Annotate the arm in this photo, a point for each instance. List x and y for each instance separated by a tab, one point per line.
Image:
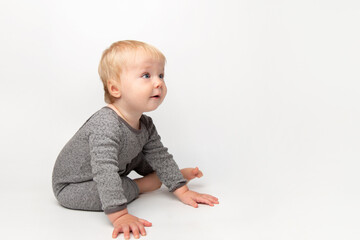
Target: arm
104	145
168	171
105	168
161	160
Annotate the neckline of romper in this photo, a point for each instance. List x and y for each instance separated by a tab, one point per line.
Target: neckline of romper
134	130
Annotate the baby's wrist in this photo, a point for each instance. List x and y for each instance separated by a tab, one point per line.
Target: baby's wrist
116	215
181	190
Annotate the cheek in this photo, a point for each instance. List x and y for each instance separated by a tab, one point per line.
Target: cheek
164	91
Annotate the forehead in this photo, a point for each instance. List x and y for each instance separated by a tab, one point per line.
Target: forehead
143	59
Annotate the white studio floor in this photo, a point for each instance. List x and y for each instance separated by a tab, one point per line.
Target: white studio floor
244	212
263	96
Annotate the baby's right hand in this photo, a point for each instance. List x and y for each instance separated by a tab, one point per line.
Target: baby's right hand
126	223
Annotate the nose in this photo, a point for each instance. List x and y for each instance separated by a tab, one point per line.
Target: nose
158	82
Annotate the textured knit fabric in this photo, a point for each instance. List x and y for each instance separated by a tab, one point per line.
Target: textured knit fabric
101	152
85	196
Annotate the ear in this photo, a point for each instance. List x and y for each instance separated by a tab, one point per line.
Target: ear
114	88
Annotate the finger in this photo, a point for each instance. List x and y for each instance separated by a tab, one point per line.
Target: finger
200	174
146	223
211	198
192	203
141	228
126	231
135	230
196	172
116	232
204	200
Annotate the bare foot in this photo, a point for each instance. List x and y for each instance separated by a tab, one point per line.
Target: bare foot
191	173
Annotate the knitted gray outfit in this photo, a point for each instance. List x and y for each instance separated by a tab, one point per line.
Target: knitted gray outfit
91	171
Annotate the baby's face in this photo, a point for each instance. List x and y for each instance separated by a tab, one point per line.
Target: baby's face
142	84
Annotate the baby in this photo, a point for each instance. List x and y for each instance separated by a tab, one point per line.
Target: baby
91	171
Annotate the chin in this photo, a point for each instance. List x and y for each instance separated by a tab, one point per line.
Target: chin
150	109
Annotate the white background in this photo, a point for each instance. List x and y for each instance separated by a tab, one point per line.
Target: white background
263	96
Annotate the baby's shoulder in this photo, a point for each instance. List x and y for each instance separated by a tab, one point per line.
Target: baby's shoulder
104	119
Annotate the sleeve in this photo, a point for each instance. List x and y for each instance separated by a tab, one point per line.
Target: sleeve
161	161
104	151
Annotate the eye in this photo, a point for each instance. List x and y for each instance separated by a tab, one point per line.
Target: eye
161	76
146	75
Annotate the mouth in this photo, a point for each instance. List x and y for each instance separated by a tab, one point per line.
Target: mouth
155	96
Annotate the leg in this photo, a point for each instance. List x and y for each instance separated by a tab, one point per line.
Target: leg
85	196
80	196
151	182
148	183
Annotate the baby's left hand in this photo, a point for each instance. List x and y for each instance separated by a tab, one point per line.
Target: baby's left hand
193	198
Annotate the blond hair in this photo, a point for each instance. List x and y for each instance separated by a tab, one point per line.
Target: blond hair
114	60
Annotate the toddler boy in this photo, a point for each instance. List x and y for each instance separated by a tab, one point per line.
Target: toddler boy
91	171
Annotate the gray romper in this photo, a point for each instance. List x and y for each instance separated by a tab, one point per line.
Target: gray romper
91	171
